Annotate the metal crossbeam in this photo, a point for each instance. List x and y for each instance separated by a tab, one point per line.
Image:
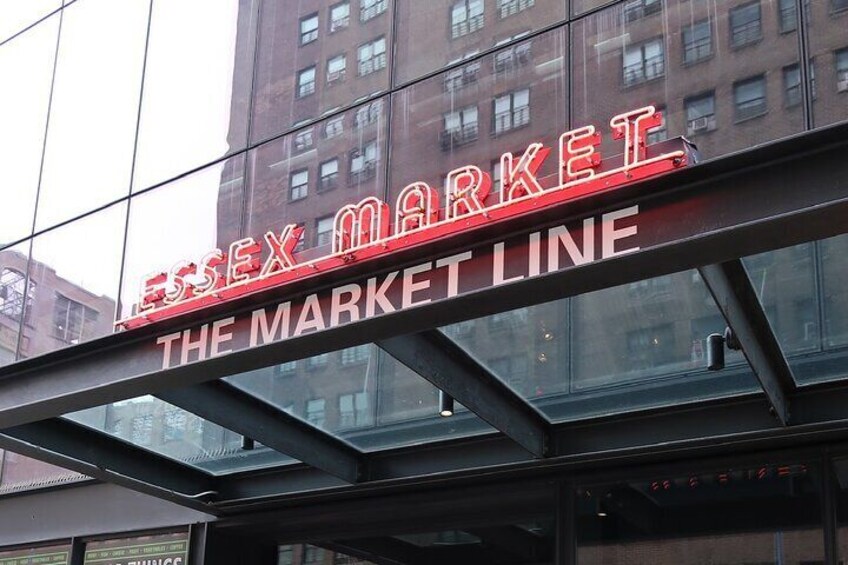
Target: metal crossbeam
236	410
437	358
73	446
735	296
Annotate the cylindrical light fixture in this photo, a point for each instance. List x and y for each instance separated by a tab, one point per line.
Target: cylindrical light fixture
247	443
445	404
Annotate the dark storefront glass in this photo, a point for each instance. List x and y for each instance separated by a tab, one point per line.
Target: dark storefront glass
27	65
315	57
183	220
306	176
196	86
16	299
474	113
74	272
768	513
715	69
16	16
94	111
438	33
827	22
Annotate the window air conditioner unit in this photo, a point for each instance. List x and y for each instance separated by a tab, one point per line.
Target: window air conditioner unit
699	124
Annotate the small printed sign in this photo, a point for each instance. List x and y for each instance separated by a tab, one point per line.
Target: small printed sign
165	549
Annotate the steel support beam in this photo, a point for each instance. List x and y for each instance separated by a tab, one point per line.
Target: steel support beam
236	410
438	358
100	456
735	296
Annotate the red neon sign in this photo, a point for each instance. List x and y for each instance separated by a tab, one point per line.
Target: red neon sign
363	231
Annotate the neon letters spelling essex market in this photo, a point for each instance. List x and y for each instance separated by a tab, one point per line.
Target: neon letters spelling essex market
362	231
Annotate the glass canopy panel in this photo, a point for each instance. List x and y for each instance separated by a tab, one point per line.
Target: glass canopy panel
160	427
361	395
803	293
625	348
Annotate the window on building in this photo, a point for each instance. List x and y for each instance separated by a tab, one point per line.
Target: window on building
513	57
303	140
306	82
317	361
371	9
12	284
697	42
339	16
312	554
460	127
309	29
285	555
511	110
363	162
299	184
372	56
324	231
788	16
285	369
72	322
636	9
507	8
838	5
700	113
334	127
511	320
142	430
336	68
460	77
368	114
354	355
841	58
792	85
749	97
175	425
466	17
644	61
745	24
329	175
315	411
353	410
660	132
464	328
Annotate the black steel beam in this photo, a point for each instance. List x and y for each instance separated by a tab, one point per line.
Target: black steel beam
78	448
438	358
735	296
519	543
236	410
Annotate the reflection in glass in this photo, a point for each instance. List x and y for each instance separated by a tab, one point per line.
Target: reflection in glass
361	395
20	473
183	220
716	69
827	21
335	59
74	275
15	298
474	113
93	112
526	348
436	33
153	424
196	93
834	259
767	513
26	65
305	177
16	16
